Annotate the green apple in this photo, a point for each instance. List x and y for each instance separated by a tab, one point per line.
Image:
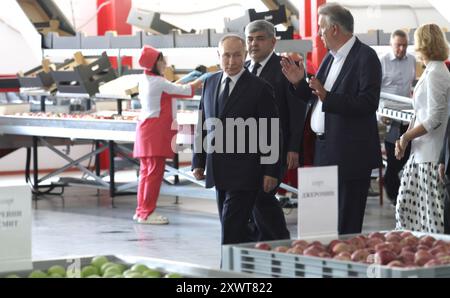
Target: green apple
55	275
94	276
150	273
112	271
133	274
12	276
98	261
88	271
106	266
173	275
139	268
57	269
37	274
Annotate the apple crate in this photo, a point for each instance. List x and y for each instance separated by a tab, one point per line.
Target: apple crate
84	78
246	258
186	270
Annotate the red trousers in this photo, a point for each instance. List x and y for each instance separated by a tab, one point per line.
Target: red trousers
151	175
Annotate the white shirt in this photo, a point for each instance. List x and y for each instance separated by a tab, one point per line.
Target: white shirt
151	89
262	63
318	117
430	102
398	74
233	81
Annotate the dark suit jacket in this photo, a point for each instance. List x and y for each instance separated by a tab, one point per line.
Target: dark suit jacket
250	98
291	110
351	131
445	151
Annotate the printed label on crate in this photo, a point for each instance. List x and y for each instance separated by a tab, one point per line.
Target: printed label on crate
15	228
317	201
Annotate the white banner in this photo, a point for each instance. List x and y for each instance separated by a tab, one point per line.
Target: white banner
15	229
317	201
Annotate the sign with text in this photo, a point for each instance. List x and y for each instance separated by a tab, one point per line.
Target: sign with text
317	201
15	228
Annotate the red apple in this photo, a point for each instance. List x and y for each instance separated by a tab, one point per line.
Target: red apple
393	238
377	235
444	259
384	257
384	246
406	234
427	240
357	243
438	249
408	248
396	247
311	251
407	257
372	242
396	263
360	255
281	248
333	243
263	246
318	245
301	243
432	263
343	256
422	257
341	247
440	242
296	250
324	254
422	247
410	241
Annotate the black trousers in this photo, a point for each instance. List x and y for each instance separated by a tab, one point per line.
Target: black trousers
268	219
394	166
447	207
235	209
352	196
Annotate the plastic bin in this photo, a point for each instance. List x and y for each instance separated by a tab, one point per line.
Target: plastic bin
247	259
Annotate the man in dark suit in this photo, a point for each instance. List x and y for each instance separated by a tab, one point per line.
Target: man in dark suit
265	63
346	95
444	174
236	167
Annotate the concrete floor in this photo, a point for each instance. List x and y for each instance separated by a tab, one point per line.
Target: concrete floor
82	223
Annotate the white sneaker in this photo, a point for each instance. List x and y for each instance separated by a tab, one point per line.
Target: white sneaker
154	219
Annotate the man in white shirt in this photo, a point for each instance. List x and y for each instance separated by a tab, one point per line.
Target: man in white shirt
347	92
399	72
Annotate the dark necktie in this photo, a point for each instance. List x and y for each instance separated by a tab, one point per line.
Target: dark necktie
222	99
255	68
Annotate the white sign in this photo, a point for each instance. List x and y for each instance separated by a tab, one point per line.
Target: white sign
15	229
317	201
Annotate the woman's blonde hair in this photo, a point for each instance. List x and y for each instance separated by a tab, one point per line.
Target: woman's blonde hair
430	42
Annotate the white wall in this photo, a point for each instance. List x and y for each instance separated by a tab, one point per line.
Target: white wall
21	44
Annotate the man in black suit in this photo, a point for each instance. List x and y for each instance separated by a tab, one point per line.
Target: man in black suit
236	167
265	63
346	96
444	174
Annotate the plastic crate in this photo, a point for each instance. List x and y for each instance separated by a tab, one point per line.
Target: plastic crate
127	41
159	41
163	266
246	258
85	78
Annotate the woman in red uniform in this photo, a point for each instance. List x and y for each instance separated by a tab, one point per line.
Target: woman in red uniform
154	132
